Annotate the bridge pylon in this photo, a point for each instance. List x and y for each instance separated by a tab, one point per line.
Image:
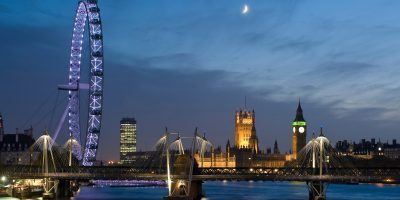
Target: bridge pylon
182	186
317	190
47	165
319	160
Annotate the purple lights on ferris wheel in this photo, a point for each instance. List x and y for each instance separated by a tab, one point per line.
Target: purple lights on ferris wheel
87	11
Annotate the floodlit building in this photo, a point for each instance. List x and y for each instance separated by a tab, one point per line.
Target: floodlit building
245	131
127	140
216	158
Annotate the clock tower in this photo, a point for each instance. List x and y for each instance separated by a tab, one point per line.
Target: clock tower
299	130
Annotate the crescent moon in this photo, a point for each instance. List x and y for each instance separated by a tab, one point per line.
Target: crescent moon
245	9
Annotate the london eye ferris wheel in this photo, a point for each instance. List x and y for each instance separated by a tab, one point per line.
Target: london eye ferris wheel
87	11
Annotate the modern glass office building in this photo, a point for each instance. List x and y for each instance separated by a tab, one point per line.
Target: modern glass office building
127	140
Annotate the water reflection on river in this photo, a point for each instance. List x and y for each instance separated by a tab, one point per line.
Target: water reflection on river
244	190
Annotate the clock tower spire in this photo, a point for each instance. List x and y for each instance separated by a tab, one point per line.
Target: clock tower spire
299	128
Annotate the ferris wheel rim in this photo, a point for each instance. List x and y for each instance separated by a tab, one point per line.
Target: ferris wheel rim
87	12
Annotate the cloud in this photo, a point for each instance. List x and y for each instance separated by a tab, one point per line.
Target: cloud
168	60
300	45
180	99
342	69
172	61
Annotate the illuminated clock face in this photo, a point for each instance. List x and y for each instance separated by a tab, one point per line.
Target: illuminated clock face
301	129
294	129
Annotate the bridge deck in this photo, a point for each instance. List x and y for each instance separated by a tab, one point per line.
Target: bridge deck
360	175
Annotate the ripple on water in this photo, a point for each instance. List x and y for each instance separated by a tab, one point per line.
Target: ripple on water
245	190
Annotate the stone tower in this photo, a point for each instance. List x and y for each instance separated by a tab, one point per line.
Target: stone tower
245	130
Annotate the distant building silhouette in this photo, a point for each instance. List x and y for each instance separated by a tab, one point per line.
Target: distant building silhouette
369	149
276	148
14	146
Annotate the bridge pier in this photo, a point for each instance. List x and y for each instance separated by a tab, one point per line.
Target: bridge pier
185	189
64	188
316	190
49	188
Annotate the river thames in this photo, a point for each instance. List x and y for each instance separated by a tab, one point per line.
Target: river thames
242	190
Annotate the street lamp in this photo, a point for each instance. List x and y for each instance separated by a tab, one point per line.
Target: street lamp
3	179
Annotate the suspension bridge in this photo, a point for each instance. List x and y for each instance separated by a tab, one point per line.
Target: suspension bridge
317	165
316	161
344	175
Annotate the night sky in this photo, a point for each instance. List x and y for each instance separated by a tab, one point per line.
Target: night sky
186	64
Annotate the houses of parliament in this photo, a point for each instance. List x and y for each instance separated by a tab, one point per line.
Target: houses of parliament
245	152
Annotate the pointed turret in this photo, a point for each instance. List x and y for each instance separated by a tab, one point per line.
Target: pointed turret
228	146
253	142
253	128
276	148
228	152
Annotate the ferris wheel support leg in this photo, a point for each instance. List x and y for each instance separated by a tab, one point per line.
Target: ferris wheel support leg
60	124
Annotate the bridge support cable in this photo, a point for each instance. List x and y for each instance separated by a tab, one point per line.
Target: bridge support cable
169	181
